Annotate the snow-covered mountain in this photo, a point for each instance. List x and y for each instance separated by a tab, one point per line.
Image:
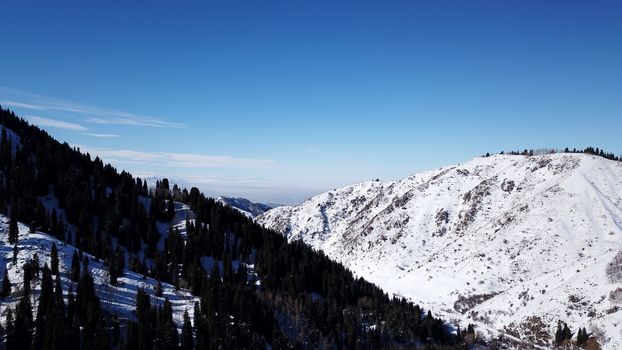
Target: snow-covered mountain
510	243
245	206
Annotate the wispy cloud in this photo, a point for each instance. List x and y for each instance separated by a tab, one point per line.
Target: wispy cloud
101	135
12	103
53	123
177	160
133	120
188	160
92	114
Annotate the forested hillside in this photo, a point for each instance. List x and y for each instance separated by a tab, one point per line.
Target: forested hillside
256	290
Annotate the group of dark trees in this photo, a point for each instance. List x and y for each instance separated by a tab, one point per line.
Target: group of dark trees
78	324
255	288
563	335
588	150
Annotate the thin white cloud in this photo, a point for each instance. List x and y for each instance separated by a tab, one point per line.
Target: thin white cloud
92	114
178	160
134	121
126	155
53	123
188	160
12	103
101	135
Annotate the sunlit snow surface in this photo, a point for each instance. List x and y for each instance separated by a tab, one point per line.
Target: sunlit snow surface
530	236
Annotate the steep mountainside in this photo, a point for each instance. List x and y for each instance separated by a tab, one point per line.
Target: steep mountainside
149	255
245	206
511	243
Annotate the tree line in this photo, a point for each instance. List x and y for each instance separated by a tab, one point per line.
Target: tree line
259	289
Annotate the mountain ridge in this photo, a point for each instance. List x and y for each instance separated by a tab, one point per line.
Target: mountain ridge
488	229
245	206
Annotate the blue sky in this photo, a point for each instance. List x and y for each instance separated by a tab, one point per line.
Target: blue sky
278	100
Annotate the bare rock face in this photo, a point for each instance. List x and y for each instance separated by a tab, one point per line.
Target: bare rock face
501	241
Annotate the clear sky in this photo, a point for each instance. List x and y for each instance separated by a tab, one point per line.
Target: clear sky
276	101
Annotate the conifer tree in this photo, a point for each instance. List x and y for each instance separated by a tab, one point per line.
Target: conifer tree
75	267
6	285
112	270
23	324
566	333
54	259
27	278
158	289
559	336
13	229
10	330
102	341
582	336
186	333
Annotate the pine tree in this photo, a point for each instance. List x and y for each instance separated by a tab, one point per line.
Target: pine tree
45	312
57	325
23	324
75	267
27	278
54	259
167	337
112	270
566	333
582	336
186	333
6	285
559	336
10	330
200	328
102	341
158	289
13	229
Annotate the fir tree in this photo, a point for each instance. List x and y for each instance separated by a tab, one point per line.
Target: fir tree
582	336
13	229
23	324
75	267
10	330
6	285
45	312
102	340
54	259
559	336
186	333
158	289
566	333
27	278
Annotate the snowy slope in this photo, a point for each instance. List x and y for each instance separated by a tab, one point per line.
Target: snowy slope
117	299
506	242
